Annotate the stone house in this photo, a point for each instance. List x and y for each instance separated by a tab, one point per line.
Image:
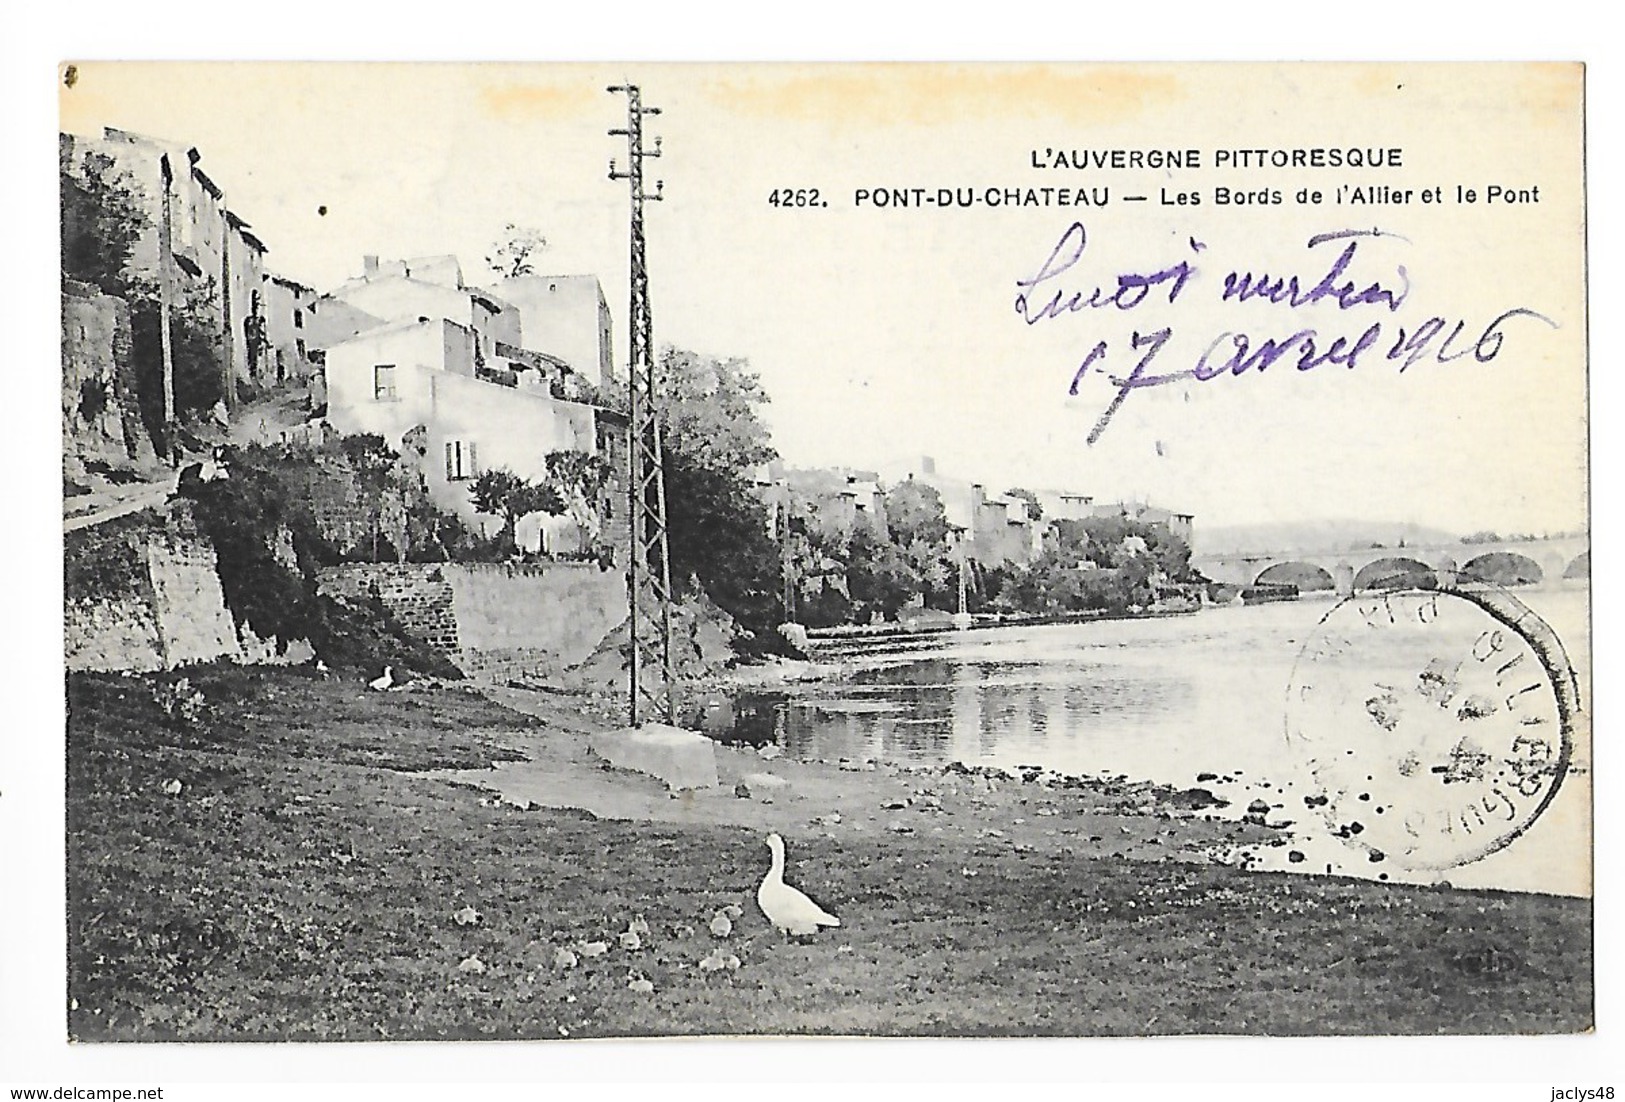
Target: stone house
287	308
191	234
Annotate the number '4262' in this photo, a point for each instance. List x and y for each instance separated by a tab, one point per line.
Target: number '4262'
796	197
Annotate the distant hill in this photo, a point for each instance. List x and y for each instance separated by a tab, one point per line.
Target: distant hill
1331	535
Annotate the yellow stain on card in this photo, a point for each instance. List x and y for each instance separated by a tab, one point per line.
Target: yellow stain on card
80	106
539	101
927	94
1551	86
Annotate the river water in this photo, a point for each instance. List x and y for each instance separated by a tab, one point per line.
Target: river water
1165	699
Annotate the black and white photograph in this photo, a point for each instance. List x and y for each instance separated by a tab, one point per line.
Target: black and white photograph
566	552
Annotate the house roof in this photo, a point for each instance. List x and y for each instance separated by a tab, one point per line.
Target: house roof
360	283
113	133
430	261
291	284
532	357
208	185
392	327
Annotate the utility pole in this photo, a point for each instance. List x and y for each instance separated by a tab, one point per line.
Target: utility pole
650	674
166	265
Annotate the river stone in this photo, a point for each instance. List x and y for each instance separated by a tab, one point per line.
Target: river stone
682	759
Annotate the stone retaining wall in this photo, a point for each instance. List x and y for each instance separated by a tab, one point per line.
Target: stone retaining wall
417	595
495	621
143	593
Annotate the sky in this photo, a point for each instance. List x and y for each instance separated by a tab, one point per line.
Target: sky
883	334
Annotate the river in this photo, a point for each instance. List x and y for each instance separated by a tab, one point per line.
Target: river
1165	699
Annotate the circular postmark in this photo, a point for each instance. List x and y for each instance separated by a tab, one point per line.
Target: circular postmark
1436	724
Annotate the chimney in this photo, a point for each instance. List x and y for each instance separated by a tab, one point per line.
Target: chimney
369	265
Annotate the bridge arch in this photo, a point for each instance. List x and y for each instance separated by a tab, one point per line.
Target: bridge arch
1503	568
1305	575
1580	567
1396	572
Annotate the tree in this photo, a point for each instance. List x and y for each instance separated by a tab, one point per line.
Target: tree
579	478
502	493
912	559
878	576
372	460
102	220
515	254
717	535
708	410
914	514
1109	564
718	530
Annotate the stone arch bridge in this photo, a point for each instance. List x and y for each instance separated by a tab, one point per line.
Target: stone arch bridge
1506	562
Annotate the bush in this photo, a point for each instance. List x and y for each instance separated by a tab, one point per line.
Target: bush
250	518
825	608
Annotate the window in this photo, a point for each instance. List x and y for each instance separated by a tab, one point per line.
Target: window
461	462
298	318
383	383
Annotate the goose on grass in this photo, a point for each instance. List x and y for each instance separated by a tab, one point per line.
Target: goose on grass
787	909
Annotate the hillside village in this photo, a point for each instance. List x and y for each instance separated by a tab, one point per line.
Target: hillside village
421	415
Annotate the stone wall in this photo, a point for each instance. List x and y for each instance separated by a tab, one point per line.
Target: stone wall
366	508
495	621
100	420
110	617
143	593
535	618
349	514
417	595
193	623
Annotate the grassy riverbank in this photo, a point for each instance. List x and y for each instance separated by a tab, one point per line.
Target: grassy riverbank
305	882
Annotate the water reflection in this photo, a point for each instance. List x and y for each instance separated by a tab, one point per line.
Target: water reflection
1156	699
970	708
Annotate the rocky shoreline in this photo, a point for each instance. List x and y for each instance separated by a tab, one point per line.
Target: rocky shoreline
1030	810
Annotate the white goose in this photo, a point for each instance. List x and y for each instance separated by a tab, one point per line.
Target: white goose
384	682
787	909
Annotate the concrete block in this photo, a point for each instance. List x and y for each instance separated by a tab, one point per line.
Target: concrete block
682	759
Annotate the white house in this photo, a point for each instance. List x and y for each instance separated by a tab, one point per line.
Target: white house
398	298
565	316
396	378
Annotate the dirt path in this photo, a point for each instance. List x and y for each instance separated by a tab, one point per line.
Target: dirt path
94	509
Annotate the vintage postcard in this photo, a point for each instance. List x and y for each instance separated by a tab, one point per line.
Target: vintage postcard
628	551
